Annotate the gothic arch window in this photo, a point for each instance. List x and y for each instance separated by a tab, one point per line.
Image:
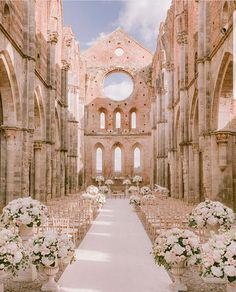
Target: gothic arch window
133	120
225	13
137	159
117	160
6	17
117	120
102	120
99	160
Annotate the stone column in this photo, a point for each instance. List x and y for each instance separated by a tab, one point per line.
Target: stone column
197	194
10	135
37	169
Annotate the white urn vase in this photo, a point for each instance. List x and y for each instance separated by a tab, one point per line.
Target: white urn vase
177	271
51	284
231	287
30	273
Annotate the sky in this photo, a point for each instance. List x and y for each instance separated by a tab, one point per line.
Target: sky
91	20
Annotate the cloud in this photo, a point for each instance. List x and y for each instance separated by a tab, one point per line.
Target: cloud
143	17
94	40
118	91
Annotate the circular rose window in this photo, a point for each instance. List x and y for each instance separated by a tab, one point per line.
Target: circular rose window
118	86
119	52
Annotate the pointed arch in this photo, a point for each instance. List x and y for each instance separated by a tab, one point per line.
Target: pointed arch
39	115
98	159
11	105
118	118
102	118
221	107
118	158
133	118
137	158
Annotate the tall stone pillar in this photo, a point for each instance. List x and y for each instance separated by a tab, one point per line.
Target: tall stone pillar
50	114
37	169
197	194
10	135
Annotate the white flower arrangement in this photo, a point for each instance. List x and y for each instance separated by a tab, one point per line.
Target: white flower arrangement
13	256
100	199
126	182
87	196
219	257
109	182
49	248
175	246
145	191
100	178
212	213
104	189
133	189
24	211
161	190
137	178
135	200
148	197
92	190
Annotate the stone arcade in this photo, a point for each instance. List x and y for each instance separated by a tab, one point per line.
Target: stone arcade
55	118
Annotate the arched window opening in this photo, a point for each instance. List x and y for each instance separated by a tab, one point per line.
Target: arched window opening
118	158
102	120
137	160
99	160
133	120
225	111
118	120
225	14
6	17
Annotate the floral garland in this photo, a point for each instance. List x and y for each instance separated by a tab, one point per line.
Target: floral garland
219	257
24	211
212	213
176	245
13	256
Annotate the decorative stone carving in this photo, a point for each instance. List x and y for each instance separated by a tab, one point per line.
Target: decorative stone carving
169	66
65	65
222	137
53	37
222	140
182	38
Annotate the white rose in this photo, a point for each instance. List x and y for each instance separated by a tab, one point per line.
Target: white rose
47	262
35	211
230	271
18	257
212	220
216	271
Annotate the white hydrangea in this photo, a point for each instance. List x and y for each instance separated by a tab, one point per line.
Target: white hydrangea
24	211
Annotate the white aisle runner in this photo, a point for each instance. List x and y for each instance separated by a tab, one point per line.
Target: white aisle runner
115	256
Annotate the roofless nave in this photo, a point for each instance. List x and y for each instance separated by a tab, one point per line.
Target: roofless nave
58	129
